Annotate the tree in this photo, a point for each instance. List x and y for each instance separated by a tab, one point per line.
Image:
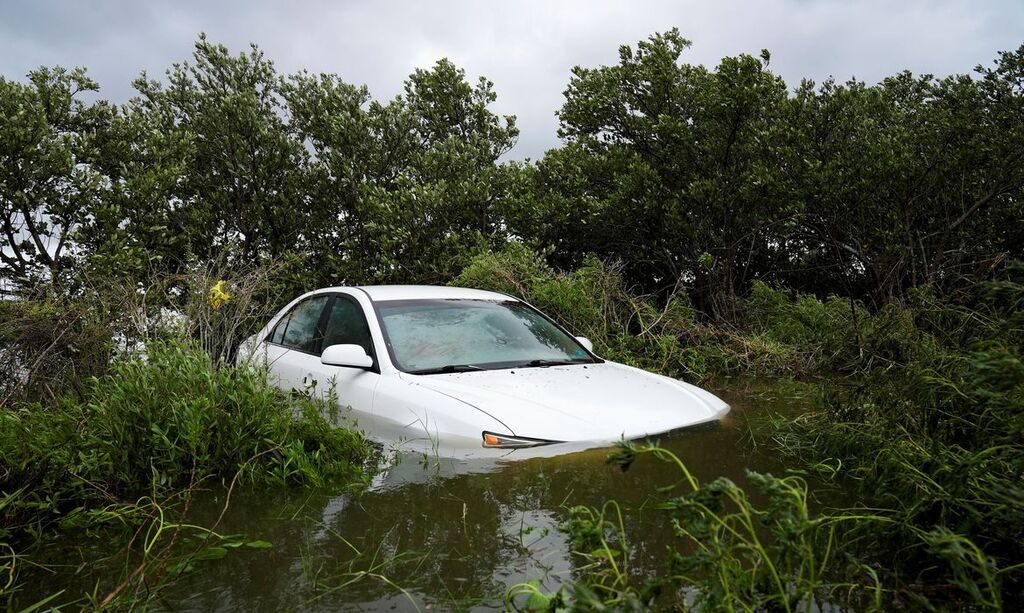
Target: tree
48	181
716	177
410	187
912	181
672	168
241	169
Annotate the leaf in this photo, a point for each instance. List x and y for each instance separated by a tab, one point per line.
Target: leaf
259	544
211	553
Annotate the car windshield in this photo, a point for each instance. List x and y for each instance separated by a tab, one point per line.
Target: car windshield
453	335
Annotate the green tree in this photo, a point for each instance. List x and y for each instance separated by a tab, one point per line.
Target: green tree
914	180
410	187
240	168
49	182
671	167
140	226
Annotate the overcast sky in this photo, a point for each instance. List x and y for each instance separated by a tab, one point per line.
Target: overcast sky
526	48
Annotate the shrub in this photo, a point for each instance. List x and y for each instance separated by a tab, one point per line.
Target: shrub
666	336
52	342
929	426
219	306
168	420
512	270
49	346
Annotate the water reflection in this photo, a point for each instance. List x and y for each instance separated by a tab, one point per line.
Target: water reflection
452	533
456	533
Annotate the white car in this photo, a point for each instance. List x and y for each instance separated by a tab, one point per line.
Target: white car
466	368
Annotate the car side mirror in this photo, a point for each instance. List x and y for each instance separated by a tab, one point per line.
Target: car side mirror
586	342
352	356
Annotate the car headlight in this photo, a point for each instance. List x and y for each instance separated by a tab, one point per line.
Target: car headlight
504	441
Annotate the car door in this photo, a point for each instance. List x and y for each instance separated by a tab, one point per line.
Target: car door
344	323
295	338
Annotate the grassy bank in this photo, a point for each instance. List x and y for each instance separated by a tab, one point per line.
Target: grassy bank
123	459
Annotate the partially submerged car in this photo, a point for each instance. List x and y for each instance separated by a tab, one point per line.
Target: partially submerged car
466	368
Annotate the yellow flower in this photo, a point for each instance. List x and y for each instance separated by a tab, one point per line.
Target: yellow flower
218	296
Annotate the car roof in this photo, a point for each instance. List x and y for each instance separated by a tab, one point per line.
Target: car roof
379	293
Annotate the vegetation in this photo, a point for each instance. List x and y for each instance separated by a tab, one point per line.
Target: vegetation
922	420
729	553
695	221
117	411
671	338
169	419
146	434
732	554
697	180
931	431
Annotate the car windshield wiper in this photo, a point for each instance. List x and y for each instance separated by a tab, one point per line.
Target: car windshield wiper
448	368
541	363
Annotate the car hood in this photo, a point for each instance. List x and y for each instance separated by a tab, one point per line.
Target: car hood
591	402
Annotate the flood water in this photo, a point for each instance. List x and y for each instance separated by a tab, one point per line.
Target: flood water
436	533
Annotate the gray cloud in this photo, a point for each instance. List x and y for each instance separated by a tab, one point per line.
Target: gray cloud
526	48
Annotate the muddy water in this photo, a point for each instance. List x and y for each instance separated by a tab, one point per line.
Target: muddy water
458	533
436	533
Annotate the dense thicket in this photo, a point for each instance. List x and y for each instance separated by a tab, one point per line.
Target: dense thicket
704	178
922	421
228	160
721	177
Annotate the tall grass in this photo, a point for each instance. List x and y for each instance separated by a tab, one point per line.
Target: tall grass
167	420
728	553
130	451
923	415
929	424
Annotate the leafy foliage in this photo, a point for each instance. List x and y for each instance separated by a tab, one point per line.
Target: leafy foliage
695	178
930	427
49	184
720	178
163	421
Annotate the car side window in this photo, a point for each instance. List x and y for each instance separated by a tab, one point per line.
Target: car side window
278	335
300	330
346	325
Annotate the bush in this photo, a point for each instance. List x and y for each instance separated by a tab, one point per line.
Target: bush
51	343
666	336
168	420
220	306
929	425
49	346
